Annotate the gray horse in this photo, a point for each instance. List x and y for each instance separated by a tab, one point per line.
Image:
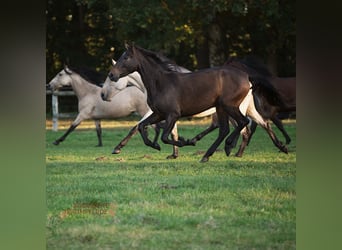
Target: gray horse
124	101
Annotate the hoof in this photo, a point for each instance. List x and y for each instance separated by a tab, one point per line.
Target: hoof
56	143
288	142
156	146
172	157
204	159
238	155
191	142
228	150
285	150
116	151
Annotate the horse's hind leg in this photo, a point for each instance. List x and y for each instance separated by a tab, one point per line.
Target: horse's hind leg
213	126
132	132
98	132
174	134
245	133
252	131
254	114
234	123
280	126
274	138
123	142
223	132
241	122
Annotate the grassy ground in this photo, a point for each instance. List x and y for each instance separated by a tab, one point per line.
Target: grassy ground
140	200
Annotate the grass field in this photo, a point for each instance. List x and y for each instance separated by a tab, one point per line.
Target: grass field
140	200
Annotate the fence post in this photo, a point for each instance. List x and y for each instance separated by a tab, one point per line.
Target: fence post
54	112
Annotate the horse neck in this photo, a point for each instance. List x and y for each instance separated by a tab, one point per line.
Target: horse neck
81	86
149	72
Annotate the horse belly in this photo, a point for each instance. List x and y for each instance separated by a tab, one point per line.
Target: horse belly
206	113
193	106
112	110
199	97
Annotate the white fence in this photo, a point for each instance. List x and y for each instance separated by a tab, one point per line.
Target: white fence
55	112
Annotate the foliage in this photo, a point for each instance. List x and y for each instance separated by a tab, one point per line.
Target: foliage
91	32
140	200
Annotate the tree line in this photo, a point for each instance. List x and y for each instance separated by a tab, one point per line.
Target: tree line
196	34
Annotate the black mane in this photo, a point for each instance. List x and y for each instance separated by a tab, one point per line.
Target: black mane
256	64
90	75
164	62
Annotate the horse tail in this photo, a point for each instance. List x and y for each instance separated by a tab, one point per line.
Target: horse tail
262	86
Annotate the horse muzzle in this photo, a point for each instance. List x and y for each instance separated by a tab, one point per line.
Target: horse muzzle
50	87
104	97
113	77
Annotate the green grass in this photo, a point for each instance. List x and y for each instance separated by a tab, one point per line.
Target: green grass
140	200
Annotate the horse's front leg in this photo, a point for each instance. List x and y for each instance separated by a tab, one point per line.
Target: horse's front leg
157	127
74	125
169	125
99	132
174	134
142	127
223	132
123	142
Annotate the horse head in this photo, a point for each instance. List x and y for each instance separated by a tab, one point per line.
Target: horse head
62	79
126	64
111	88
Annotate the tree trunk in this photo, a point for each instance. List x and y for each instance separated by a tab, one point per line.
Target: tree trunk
272	62
202	54
216	51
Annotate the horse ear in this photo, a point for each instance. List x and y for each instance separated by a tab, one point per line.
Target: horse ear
113	62
67	70
127	46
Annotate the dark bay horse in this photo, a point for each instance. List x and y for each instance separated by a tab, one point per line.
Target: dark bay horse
172	95
285	86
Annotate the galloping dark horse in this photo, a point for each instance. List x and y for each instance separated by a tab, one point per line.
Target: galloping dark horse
285	86
172	95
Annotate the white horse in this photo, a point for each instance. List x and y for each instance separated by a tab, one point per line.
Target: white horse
124	100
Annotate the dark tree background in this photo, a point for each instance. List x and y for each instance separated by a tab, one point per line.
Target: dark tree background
194	33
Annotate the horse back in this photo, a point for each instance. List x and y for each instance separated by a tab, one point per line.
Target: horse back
235	86
212	86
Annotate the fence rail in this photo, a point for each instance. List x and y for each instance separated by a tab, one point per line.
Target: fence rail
55	112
